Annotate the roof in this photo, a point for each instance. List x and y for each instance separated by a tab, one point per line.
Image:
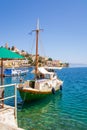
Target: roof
8	54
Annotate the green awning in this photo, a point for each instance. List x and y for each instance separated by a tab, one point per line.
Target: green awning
8	54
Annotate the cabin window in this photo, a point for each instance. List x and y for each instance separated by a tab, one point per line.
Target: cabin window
47	76
32	84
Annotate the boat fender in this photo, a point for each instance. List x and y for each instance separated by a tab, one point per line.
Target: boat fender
53	90
60	87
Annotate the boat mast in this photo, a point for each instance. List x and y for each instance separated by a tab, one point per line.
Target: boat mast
37	55
37	35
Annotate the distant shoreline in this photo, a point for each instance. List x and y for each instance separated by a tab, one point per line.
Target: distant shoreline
77	65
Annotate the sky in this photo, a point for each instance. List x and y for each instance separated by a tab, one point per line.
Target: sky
64	24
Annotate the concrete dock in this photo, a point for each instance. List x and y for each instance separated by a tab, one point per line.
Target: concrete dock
7	119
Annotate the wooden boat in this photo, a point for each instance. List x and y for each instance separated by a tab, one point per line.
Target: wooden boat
45	82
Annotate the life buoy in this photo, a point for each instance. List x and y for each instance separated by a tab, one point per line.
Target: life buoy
53	90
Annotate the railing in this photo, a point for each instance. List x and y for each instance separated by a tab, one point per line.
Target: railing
9	97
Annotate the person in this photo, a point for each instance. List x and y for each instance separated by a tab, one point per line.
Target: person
41	76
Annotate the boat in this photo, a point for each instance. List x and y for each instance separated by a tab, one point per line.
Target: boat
44	83
14	72
23	71
52	69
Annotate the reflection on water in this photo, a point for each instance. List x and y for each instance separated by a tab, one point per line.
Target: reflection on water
39	114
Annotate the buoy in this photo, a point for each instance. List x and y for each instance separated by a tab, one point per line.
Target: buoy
53	90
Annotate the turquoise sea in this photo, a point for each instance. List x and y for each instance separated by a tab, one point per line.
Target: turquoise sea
66	110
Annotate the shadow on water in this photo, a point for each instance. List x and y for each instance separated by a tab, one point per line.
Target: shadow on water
37	114
41	102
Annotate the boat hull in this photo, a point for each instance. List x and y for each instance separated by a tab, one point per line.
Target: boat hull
32	95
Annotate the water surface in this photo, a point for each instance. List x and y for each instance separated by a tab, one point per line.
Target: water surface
66	110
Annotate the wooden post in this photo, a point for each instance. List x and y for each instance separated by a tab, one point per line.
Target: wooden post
2	82
1	71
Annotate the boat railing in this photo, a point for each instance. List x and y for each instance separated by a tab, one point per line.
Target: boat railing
9	97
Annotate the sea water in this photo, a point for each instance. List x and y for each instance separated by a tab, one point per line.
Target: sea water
65	110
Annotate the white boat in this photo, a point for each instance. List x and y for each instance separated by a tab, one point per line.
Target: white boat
23	72
14	72
53	68
45	83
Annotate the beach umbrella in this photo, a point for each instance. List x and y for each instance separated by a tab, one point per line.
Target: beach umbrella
7	54
4	55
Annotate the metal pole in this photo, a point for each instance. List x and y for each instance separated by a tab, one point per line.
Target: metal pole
15	112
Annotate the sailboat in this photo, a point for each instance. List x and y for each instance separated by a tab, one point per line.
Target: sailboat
45	82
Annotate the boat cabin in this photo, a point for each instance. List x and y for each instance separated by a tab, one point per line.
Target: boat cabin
44	74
